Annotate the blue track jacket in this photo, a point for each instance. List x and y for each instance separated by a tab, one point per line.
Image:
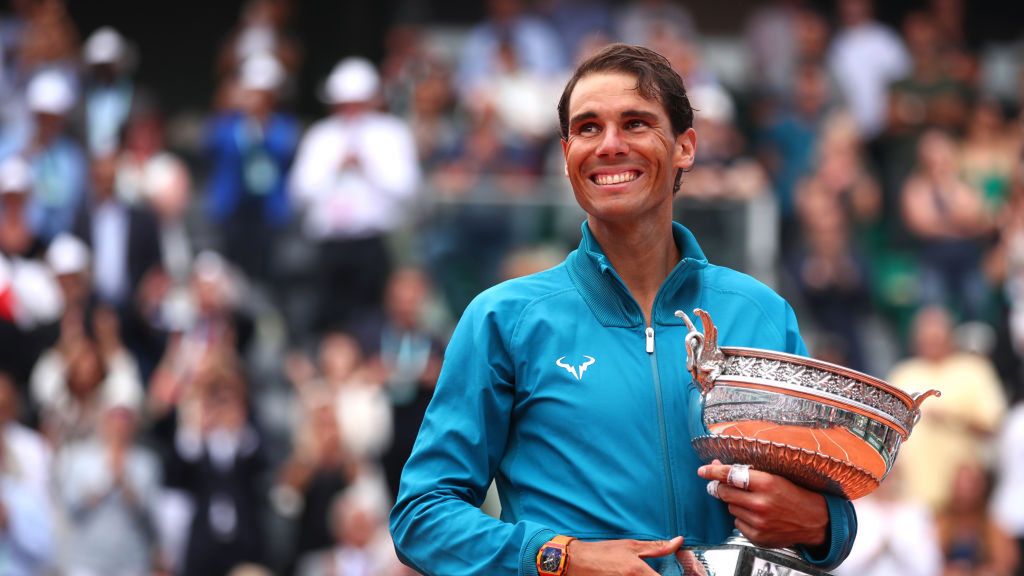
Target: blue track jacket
554	386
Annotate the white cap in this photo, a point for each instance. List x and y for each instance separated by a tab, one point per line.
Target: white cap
50	92
261	72
354	79
15	175
712	103
67	254
104	46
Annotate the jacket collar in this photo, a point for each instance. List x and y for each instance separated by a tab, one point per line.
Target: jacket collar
607	296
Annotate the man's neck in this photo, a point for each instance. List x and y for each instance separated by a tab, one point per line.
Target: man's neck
643	256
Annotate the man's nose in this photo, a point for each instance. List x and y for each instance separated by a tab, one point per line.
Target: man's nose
612	143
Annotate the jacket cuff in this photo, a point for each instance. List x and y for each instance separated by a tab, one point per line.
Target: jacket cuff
842	520
528	560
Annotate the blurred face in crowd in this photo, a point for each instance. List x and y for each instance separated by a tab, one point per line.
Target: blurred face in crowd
85	370
340	355
937	153
104	175
355	524
933	334
48	127
257	103
8	400
407	292
13	202
621	154
119	425
144	134
854	12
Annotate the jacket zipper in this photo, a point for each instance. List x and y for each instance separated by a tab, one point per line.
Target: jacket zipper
666	461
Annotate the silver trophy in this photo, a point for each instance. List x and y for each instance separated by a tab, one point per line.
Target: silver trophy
825	427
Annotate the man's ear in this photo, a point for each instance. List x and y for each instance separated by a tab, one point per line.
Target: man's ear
685	149
565	149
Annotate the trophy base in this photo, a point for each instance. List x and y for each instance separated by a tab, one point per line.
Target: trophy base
738	557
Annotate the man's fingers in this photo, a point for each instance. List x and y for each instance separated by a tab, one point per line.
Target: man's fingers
656	548
718	471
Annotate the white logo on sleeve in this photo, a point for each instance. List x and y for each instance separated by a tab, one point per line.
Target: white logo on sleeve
576	371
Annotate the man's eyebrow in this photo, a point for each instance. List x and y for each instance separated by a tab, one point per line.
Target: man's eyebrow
625	114
638	114
581	117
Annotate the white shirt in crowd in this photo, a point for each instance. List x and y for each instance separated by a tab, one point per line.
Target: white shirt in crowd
1007	504
352	203
865	88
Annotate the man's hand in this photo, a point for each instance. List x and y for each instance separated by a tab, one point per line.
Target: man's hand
617	557
772	512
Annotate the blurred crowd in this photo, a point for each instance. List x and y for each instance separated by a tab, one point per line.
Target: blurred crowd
215	352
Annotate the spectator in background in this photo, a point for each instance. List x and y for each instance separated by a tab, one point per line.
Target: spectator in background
410	355
207	321
647	22
862	39
957	430
26	529
126	254
1007	504
30	299
167	187
771	38
355	175
142	145
362	545
989	153
123	238
251	149
972	543
842	175
74	381
109	90
894	535
722	169
949	221
25	449
360	402
535	46
319	467
467	237
107	486
929	97
58	163
263	28
49	39
220	460
788	144
17	239
832	275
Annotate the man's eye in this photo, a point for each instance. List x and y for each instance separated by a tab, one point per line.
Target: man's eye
635	123
589	128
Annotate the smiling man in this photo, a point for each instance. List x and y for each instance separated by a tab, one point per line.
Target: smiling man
569	387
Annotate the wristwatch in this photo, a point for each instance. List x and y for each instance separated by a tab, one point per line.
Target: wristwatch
553	557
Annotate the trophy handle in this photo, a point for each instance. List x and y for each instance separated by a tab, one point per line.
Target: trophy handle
918	398
704	359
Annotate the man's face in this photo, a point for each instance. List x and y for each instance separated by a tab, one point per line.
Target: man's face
621	155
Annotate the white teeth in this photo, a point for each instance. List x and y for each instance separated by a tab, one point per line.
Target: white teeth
605	179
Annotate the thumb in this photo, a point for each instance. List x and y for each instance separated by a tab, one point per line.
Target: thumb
657	548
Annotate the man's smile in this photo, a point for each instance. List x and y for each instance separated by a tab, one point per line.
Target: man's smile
615	178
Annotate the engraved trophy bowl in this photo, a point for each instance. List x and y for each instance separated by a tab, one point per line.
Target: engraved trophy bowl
822	426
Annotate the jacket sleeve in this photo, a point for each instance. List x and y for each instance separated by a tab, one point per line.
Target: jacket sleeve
842	519
842	522
437	525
